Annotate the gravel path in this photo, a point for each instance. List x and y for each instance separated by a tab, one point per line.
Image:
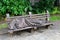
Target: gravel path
53	33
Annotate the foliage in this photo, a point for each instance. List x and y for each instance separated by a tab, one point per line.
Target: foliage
43	5
18	7
56	10
13	6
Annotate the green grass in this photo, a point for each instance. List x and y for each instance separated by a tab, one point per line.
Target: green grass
52	18
4	25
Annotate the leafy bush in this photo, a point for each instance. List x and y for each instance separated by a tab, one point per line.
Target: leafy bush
15	7
18	7
56	10
43	5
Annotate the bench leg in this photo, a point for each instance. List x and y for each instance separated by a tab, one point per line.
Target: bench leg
47	26
35	28
11	33
31	30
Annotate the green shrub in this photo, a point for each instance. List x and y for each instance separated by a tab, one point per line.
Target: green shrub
15	7
56	10
43	5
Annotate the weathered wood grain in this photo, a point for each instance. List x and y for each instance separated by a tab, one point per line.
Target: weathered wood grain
26	22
